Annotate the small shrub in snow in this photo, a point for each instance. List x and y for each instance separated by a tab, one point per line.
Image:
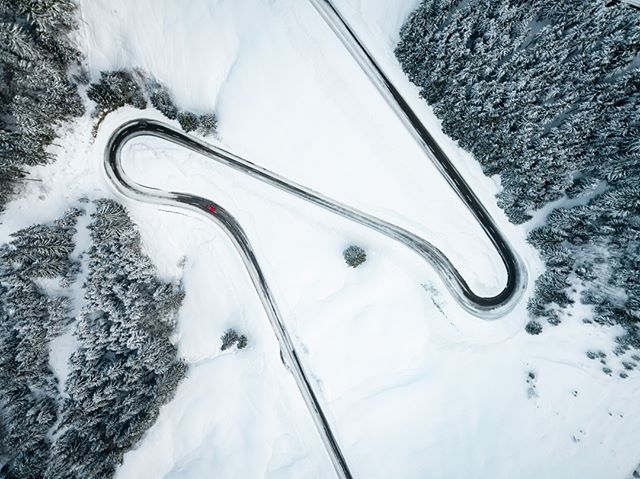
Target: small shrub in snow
354	256
188	121
242	342
208	124
533	327
531	381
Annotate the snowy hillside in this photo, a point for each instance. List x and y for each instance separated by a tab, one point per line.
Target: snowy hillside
412	385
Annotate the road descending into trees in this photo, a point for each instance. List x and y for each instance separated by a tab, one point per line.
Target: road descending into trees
483	307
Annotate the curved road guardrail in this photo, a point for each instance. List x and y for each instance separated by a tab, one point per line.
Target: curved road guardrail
483	307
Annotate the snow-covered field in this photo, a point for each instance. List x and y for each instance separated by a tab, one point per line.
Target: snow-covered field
413	385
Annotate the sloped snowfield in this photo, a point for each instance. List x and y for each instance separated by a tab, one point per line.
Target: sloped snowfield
413	385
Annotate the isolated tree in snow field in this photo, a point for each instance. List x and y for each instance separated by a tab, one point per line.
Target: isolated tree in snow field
533	327
242	342
29	319
553	89
231	338
354	256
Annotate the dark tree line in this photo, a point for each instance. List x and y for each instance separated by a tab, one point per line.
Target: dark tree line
124	370
36	94
547	95
118	88
29	319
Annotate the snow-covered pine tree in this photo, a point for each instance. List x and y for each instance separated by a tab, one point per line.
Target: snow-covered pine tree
188	121
354	256
162	101
229	339
207	124
114	90
43	250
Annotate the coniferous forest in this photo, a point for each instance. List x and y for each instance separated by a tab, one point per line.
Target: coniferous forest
546	94
37	94
29	319
125	366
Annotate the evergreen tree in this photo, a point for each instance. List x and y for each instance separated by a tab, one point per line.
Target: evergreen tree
188	121
354	256
161	101
116	89
229	339
207	124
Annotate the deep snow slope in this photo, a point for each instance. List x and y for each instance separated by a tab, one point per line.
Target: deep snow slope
413	386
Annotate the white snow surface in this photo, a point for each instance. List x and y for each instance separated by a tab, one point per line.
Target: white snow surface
413	386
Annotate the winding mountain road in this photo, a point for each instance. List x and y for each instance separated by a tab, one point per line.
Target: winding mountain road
483	307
